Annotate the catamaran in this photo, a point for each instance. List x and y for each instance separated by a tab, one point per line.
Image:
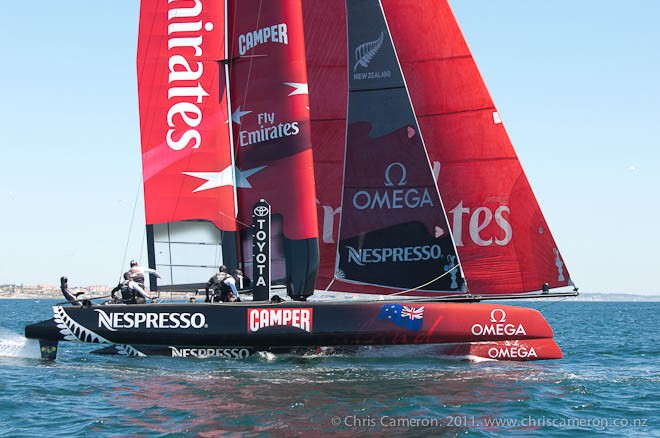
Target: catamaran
326	146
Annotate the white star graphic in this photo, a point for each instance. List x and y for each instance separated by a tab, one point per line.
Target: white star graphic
242	176
224	178
236	116
298	88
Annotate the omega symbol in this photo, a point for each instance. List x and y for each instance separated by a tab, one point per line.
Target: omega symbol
388	176
495	312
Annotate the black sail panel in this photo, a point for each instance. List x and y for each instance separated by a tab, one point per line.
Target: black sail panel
393	229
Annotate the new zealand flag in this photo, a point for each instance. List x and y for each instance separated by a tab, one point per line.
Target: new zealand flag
408	317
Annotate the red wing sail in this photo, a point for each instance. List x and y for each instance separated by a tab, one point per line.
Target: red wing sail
504	244
186	151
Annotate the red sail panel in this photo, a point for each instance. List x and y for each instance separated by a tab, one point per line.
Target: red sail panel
504	244
270	106
503	240
186	151
325	40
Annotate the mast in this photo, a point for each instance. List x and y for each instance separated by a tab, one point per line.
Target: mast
231	245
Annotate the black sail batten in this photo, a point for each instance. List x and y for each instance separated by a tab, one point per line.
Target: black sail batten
230	255
188	287
393	229
151	257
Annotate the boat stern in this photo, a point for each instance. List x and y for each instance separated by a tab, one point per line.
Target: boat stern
48	335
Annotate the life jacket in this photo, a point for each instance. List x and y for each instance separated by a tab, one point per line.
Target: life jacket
138	277
127	294
221	291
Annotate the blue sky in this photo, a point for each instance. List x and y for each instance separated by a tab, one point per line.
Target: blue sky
576	84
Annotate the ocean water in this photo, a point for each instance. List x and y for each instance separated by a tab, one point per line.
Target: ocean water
607	384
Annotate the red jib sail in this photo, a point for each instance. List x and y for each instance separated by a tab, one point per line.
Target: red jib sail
503	241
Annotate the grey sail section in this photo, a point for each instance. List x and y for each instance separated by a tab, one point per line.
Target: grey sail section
393	228
187	253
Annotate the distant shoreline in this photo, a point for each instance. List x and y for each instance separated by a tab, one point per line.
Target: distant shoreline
47	291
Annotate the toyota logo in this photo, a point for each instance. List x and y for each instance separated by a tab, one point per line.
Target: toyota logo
261	210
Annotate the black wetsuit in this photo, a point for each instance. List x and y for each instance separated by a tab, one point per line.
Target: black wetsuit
69	296
128	295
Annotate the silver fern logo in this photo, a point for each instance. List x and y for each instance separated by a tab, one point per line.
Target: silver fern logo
128	350
72	331
364	53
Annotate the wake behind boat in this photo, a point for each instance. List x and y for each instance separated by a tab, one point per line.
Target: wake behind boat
413	189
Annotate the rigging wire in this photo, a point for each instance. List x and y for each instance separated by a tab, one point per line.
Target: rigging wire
552	303
427	283
251	58
130	228
143	240
408	290
238	221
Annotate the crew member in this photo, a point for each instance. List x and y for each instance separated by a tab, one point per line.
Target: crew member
137	273
131	292
70	296
223	286
242	282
